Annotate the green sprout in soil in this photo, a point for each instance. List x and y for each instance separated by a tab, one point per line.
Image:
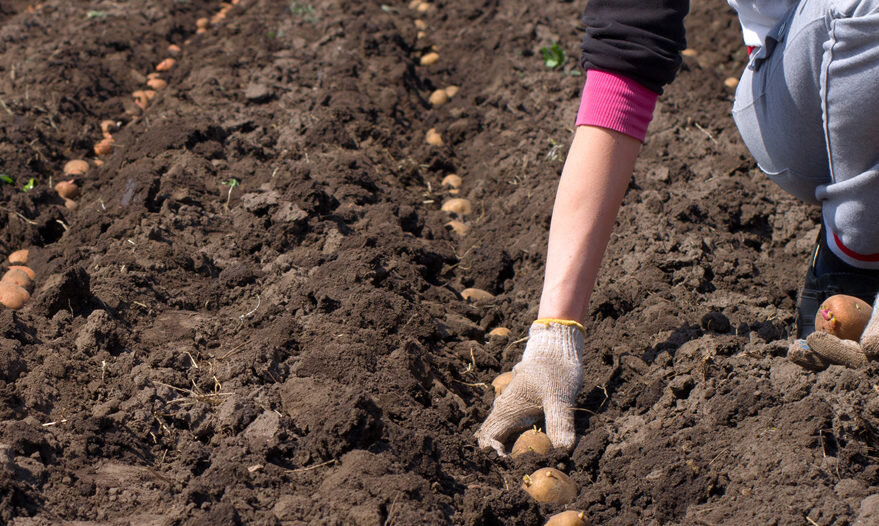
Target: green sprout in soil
231	183
6	179
303	10
31	183
553	57
96	14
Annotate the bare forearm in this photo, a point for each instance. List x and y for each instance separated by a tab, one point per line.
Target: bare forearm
594	180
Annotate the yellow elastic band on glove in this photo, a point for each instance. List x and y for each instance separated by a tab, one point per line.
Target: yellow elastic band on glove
569	323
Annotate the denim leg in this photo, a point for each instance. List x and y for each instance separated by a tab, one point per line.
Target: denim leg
808	110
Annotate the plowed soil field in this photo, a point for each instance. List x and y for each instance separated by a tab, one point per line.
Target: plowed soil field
253	313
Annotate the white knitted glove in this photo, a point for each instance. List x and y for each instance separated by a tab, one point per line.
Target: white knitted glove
546	380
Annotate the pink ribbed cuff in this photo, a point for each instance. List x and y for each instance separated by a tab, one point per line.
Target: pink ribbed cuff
617	103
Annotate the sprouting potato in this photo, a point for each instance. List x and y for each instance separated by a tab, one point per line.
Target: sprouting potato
550	486
843	316
534	440
568	518
67	189
501	382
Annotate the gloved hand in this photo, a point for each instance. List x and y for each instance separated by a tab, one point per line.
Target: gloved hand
547	379
820	349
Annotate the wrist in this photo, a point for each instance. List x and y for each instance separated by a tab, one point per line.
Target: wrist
558	340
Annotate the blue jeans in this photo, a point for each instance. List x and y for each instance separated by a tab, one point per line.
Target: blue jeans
807	107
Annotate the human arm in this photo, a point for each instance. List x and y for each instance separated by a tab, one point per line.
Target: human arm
595	177
547	379
631	49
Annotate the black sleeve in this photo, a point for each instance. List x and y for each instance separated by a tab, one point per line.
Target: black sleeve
641	39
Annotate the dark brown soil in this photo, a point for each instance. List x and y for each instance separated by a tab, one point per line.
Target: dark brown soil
295	349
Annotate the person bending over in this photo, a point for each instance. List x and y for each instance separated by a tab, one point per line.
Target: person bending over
806	109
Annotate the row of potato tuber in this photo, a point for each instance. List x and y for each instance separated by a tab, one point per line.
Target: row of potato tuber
68	189
17	283
729	82
457	206
546	485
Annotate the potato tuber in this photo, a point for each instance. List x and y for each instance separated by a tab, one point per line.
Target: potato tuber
438	97
76	167
459	206
19	257
67	189
156	83
550	486
533	440
27	270
568	518
476	294
458	227
12	296
843	316
430	59
501	382
433	138
453	181
17	277
166	64
104	146
500	332
108	127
